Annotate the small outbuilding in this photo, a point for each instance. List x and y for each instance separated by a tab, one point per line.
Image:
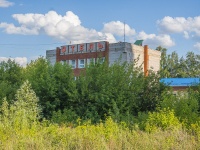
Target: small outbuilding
181	84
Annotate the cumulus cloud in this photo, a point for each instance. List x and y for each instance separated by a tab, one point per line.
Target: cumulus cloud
155	40
117	28
197	46
66	28
22	61
5	3
11	29
180	25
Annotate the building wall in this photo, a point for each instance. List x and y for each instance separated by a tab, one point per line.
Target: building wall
127	52
179	88
51	56
84	54
154	57
121	51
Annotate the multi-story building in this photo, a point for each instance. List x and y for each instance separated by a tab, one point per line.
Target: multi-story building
78	55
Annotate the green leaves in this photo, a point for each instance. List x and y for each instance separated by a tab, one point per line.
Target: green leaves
171	66
163	119
54	85
11	78
119	91
24	112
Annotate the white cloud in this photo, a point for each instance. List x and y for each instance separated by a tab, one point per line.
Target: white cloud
5	3
186	35
156	40
197	46
180	25
12	29
66	28
20	60
117	28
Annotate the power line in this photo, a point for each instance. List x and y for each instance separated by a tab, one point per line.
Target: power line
22	44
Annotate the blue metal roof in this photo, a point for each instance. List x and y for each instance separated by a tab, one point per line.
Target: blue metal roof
181	81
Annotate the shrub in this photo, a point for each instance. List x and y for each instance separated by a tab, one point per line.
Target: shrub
68	116
24	112
185	106
163	119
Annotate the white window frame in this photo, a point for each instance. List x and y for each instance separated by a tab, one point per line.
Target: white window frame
90	60
72	63
101	60
81	64
62	62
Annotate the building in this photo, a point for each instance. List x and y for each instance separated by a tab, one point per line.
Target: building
180	84
128	52
78	55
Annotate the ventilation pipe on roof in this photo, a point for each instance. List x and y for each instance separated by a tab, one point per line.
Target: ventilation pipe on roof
146	60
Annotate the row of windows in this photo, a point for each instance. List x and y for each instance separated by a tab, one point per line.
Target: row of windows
82	62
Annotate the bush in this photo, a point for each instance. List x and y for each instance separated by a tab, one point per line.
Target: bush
24	112
67	117
163	119
185	106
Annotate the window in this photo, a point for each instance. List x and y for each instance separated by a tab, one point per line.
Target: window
62	62
90	60
72	63
101	60
81	63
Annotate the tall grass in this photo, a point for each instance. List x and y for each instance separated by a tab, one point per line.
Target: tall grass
103	136
20	128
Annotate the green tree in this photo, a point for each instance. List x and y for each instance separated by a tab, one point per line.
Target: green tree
185	105
164	71
193	64
11	78
119	90
53	84
171	66
173	62
182	68
24	112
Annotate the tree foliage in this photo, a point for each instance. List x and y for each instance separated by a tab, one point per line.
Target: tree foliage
118	90
172	66
54	85
24	112
11	78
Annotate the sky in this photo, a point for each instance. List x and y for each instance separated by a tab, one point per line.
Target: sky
30	27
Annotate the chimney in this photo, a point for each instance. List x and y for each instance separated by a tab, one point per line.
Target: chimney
146	60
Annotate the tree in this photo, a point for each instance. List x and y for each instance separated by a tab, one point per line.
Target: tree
120	91
24	112
193	64
53	84
182	68
172	67
173	62
11	78
164	68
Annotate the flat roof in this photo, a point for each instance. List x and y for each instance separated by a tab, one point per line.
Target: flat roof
180	81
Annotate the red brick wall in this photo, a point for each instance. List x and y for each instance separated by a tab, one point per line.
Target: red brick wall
85	55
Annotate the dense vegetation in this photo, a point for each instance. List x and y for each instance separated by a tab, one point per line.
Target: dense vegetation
173	66
107	107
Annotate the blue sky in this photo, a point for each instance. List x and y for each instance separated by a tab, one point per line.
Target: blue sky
29	28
